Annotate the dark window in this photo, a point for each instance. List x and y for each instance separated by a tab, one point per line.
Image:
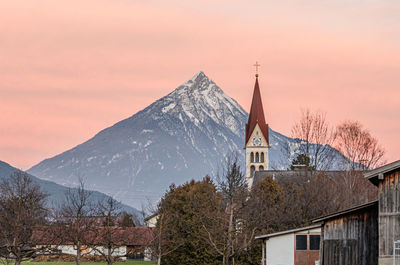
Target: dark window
262	157
314	242
301	242
257	158
252	169
134	253
252	157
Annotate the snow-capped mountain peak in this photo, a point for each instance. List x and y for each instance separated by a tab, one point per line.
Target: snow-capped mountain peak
200	98
199	75
184	135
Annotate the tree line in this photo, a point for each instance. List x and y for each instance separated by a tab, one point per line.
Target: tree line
29	228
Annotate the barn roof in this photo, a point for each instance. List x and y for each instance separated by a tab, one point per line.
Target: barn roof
347	211
374	175
289	231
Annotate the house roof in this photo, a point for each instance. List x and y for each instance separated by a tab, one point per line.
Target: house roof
129	236
347	211
373	175
256	115
288	231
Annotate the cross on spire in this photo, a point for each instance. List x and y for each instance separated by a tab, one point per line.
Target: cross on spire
257	65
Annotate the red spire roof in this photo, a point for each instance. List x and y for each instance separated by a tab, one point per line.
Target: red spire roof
256	115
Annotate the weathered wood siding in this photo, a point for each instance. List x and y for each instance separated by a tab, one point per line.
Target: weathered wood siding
351	239
389	213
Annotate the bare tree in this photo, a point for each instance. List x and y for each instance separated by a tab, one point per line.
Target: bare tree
109	236
314	137
161	244
357	144
228	225
105	241
303	130
354	189
22	207
312	194
75	220
234	191
362	152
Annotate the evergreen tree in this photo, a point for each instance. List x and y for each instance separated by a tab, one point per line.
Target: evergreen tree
126	220
302	160
178	231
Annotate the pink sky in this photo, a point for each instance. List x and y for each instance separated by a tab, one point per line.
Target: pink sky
71	68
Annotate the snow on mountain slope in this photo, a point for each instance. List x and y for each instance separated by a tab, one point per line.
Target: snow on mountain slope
184	135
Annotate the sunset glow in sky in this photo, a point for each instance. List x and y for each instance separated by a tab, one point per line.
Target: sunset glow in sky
69	69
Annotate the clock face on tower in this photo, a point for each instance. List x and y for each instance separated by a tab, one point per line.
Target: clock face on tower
256	141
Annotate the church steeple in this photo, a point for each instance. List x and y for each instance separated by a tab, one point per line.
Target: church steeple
256	114
257	138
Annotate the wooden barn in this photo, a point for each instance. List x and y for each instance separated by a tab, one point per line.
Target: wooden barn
387	180
365	235
350	237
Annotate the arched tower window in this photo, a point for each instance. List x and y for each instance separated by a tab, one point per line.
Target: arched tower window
252	169
261	168
257	158
252	157
262	157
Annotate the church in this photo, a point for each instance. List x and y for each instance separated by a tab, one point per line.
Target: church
256	139
257	145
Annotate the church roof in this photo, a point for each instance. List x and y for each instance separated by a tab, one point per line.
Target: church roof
256	114
283	176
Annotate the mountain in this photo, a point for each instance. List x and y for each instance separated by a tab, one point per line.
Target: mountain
55	191
186	134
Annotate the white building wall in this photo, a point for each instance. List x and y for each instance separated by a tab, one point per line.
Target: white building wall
71	250
147	254
65	249
152	222
280	250
315	230
120	251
